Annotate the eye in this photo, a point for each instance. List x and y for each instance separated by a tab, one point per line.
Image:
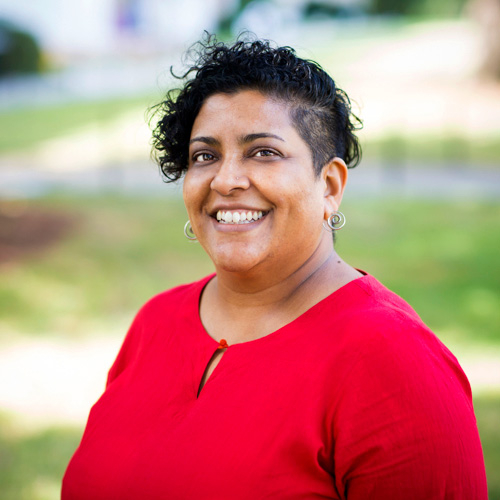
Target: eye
203	157
265	152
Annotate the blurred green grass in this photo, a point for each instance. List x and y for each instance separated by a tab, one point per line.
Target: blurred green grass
441	256
24	128
32	465
119	252
443	148
487	409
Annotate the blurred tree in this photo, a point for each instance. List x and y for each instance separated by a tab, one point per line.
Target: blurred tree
19	51
487	13
321	9
424	8
228	20
392	6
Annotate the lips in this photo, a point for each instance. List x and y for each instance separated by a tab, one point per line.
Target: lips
239	216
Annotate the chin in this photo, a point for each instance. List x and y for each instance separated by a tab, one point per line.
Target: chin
236	258
235	262
230	266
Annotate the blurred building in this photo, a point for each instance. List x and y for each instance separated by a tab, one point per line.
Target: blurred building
107	27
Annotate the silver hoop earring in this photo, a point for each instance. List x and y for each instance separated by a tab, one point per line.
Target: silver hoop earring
188	231
335	221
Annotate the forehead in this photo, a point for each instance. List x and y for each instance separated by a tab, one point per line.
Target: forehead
244	111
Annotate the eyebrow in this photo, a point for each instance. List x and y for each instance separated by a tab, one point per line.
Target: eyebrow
207	140
252	137
211	141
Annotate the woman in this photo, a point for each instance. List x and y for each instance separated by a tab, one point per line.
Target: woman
287	374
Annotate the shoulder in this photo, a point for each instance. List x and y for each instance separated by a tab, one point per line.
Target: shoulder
385	339
405	407
173	301
156	322
377	304
370	312
398	365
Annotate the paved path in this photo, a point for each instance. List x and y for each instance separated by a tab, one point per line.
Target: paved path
143	178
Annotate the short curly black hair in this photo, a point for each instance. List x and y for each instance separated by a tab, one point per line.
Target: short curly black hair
320	111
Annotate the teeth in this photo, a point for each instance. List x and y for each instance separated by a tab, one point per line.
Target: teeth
227	217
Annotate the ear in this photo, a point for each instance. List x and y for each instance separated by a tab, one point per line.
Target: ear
334	176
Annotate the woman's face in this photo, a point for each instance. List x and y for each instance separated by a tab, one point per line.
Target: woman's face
250	190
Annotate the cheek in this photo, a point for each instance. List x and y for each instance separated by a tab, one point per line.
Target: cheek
299	197
311	207
191	190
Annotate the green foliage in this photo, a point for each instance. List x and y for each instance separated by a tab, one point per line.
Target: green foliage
425	8
20	52
393	6
226	23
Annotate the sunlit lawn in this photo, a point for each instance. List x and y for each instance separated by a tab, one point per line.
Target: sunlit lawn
27	127
444	147
23	129
440	256
32	465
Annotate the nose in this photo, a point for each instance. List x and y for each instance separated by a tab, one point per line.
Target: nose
229	176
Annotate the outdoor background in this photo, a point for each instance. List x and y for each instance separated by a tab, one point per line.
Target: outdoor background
89	232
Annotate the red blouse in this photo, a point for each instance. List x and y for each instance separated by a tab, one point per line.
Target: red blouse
355	399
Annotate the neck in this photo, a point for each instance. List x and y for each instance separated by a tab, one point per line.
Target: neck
273	285
244	306
320	275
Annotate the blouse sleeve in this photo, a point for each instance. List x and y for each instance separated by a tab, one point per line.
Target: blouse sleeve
129	350
405	428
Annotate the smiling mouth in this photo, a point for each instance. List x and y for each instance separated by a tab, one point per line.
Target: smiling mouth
239	216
